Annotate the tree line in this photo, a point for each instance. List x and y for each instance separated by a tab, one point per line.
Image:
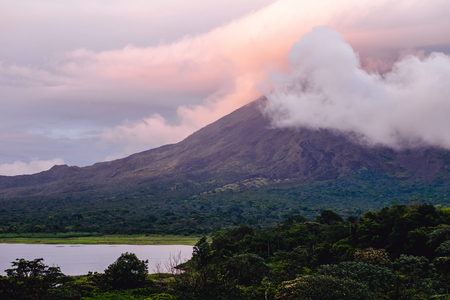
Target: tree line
399	252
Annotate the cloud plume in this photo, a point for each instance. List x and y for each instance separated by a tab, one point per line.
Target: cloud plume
326	87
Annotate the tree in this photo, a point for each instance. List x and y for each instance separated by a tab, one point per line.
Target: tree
246	269
30	279
373	276
127	272
201	253
329	217
323	287
372	256
414	277
289	265
438	236
32	268
294	219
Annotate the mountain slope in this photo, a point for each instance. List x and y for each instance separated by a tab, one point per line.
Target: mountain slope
237	147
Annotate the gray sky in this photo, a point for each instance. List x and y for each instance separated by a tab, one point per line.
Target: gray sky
88	81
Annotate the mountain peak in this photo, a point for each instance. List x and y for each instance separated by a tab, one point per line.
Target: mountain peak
240	146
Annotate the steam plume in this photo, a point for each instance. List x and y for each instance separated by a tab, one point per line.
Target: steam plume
326	87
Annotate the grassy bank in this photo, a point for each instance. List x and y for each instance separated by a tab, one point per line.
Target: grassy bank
89	238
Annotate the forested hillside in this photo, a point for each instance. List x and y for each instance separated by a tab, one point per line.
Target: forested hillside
182	212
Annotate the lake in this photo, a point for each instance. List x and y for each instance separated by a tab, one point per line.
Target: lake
80	259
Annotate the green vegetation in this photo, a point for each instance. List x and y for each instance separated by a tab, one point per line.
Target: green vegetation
94	238
198	210
127	272
398	252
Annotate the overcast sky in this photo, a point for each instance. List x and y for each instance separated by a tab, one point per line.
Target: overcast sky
88	81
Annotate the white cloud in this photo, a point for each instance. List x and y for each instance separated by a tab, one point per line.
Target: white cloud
326	88
34	166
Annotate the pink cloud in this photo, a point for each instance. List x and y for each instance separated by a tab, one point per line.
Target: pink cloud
225	66
242	53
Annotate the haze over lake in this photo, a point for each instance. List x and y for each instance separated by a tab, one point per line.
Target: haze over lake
80	259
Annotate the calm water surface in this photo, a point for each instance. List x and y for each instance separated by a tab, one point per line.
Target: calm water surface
80	259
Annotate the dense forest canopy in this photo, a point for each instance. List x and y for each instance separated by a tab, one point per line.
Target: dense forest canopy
186	210
398	252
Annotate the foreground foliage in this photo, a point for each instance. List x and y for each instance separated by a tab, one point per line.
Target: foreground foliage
127	272
400	252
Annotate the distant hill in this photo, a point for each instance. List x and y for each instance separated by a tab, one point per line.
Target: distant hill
242	154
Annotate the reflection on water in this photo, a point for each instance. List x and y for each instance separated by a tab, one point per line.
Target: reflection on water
80	259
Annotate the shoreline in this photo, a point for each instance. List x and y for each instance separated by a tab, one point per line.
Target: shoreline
135	239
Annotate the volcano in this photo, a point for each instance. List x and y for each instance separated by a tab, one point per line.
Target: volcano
240	147
238	170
